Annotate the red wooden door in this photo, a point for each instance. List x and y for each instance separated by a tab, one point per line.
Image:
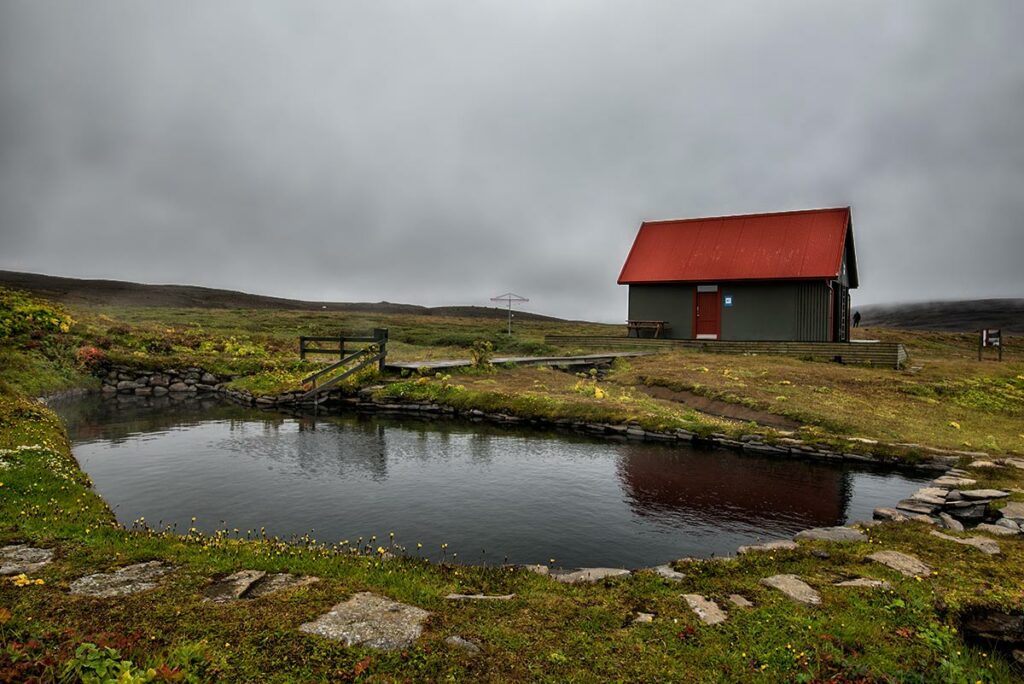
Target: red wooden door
708	317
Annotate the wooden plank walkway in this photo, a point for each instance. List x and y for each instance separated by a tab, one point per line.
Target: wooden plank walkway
873	352
584	360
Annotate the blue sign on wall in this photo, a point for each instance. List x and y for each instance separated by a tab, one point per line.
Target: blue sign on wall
728	300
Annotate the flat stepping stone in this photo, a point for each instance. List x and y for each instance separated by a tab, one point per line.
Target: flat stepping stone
777	545
480	597
988	546
902	563
740	601
252	584
951	523
953	481
1013	510
915	507
984	494
233	586
1009	524
794	588
130	579
931	495
455	641
1014	462
864	582
22	559
538	569
370	620
888	514
667	572
997	530
983	464
832	534
587	575
707	611
271	584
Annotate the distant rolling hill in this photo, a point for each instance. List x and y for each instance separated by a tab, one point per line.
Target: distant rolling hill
960	315
121	293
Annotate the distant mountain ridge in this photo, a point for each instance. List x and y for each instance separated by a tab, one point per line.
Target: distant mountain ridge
959	315
125	293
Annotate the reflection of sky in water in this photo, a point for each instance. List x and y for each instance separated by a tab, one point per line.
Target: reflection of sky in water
491	494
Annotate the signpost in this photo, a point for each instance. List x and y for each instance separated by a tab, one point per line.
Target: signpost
990	337
509	297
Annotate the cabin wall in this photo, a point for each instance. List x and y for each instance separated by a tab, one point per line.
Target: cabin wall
672	303
773	311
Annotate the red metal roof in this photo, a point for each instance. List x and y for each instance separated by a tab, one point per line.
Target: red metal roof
786	245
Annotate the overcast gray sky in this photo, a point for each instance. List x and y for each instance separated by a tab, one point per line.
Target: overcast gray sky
444	152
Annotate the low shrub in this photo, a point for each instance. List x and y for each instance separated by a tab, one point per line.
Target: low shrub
23	314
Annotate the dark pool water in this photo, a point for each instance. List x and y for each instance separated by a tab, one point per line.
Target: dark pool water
493	495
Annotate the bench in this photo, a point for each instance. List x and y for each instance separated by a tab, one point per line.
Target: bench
659	327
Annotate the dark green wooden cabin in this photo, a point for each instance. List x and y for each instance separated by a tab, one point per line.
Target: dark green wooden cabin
780	277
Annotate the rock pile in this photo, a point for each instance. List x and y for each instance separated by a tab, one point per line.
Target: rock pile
950	502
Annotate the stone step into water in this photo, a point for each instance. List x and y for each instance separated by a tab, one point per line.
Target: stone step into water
130	579
794	588
667	572
370	620
777	545
832	534
903	563
913	507
587	575
953	481
21	559
987	546
888	514
987	494
707	611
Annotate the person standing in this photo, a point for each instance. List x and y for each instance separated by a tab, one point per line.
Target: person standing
856	319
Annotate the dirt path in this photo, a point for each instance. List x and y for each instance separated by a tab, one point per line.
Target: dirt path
723	409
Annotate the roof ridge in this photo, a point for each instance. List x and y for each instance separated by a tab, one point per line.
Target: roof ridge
743	216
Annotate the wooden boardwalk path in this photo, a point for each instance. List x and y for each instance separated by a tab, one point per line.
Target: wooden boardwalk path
585	360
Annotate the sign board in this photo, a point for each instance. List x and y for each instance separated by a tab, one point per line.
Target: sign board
728	300
990	337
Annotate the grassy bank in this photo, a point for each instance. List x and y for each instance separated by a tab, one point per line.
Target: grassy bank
548	632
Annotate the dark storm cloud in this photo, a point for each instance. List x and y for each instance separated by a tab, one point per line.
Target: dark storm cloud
446	152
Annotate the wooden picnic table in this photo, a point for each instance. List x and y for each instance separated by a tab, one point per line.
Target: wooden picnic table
659	327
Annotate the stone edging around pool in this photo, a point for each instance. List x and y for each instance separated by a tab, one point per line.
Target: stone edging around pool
195	381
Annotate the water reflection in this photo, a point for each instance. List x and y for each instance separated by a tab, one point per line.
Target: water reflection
493	494
734	487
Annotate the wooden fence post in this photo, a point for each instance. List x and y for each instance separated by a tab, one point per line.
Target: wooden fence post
302	347
381	334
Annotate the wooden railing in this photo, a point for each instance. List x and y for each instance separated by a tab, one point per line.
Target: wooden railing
375	351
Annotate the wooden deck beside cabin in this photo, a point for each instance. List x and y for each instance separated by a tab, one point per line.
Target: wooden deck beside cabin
584	360
869	352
